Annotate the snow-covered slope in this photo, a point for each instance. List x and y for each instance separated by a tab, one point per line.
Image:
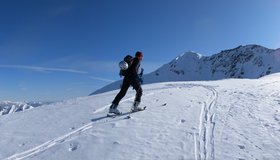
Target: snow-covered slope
251	61
225	119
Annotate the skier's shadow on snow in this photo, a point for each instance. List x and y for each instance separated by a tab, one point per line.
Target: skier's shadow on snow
98	118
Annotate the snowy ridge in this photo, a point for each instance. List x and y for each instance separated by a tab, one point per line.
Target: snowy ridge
8	107
251	61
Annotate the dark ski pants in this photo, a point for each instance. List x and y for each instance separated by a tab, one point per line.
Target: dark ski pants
126	84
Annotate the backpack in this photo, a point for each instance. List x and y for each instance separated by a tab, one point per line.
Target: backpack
128	59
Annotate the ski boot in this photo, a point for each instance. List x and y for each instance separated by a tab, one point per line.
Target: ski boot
136	107
113	109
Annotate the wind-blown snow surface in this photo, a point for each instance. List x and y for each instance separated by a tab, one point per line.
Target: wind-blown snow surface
226	119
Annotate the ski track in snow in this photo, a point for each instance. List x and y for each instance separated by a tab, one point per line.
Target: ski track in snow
41	148
204	139
204	145
34	151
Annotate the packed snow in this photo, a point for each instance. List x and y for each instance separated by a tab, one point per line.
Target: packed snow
222	119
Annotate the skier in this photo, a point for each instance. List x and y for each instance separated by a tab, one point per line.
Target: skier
131	78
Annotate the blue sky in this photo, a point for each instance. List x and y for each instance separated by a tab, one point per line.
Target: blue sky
59	49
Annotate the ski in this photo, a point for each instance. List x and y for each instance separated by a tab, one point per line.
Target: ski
127	114
113	115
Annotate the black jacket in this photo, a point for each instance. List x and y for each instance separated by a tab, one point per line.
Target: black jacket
132	71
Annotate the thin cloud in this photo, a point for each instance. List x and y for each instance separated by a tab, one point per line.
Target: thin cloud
76	61
43	69
102	79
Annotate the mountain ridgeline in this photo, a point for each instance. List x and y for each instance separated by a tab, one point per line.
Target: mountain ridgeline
250	61
9	107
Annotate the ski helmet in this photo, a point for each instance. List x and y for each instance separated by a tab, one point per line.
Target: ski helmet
123	65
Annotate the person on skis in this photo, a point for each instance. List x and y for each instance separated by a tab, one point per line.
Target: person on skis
131	78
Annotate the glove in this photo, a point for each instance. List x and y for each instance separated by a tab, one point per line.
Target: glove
141	73
141	80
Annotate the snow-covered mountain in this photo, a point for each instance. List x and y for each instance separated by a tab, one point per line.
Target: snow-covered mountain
224	119
251	61
8	107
